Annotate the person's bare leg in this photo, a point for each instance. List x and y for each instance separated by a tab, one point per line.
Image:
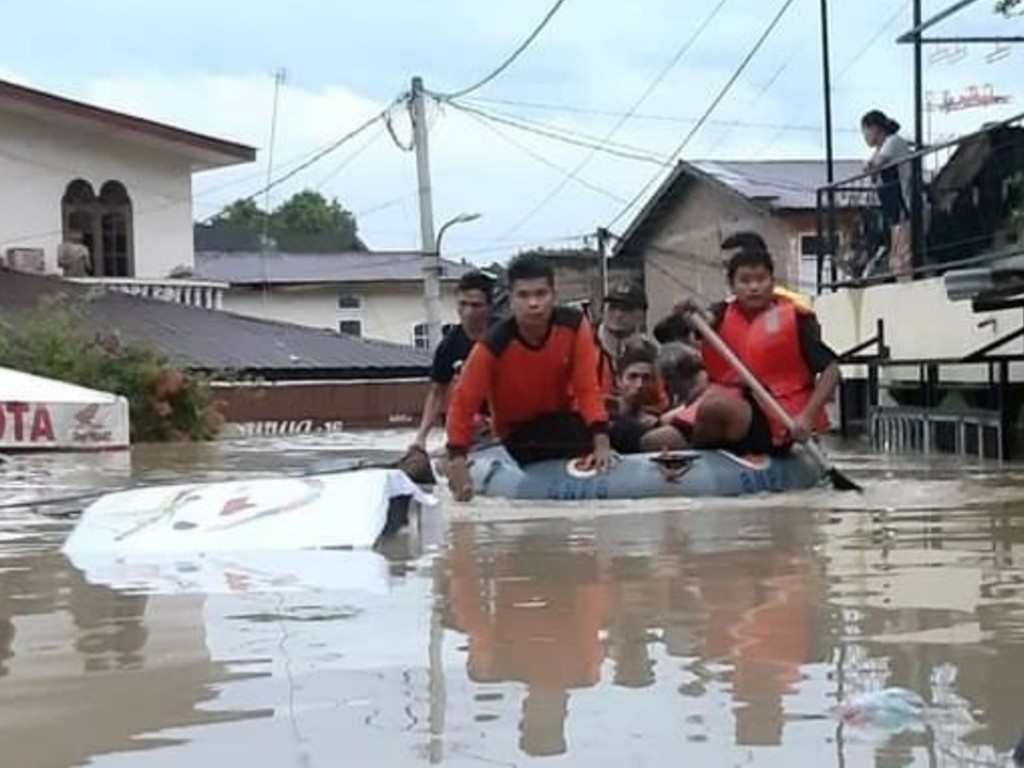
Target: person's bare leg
720	421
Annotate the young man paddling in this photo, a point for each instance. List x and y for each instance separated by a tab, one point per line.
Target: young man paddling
538	371
779	341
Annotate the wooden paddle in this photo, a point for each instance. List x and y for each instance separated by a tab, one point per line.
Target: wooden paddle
839	481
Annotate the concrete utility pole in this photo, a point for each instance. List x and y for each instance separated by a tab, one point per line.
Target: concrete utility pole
428	243
602	255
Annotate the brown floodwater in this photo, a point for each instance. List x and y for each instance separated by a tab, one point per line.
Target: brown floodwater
640	634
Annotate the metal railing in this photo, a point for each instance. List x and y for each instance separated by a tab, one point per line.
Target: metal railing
859	192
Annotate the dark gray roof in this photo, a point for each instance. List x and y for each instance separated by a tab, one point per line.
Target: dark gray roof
779	184
210	339
249	268
789	184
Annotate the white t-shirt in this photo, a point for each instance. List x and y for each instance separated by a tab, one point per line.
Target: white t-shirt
895	147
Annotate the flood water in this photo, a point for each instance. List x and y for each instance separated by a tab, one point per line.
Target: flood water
640	634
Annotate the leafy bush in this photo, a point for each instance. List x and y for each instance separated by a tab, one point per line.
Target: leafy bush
166	403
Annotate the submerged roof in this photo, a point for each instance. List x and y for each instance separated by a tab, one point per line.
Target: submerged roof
215	340
204	151
249	268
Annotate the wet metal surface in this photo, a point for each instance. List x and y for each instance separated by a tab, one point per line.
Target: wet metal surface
712	634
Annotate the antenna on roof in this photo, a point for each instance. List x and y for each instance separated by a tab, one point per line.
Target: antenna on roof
279	79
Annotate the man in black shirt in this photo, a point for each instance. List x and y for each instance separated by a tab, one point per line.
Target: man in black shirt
473	294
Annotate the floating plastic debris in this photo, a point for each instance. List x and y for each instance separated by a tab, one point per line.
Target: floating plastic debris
889	709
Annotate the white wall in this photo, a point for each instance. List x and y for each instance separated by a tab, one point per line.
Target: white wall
388	311
920	322
38	160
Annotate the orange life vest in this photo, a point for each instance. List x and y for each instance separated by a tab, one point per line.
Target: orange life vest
769	346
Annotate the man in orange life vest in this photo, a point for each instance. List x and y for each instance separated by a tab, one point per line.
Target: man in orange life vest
779	341
538	370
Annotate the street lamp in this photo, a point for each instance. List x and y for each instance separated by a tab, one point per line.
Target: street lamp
432	280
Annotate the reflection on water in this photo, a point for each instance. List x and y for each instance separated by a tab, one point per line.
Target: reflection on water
716	635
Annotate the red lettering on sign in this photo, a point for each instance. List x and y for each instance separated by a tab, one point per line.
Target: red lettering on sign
18	410
42	427
13	418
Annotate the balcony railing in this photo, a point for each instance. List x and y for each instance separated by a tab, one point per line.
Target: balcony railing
961	216
193	293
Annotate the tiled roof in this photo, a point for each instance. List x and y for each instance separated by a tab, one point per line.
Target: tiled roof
210	339
248	268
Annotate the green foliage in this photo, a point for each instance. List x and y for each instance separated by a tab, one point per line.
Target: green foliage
165	402
1007	7
307	221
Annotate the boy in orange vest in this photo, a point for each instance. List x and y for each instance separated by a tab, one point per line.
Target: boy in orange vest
779	341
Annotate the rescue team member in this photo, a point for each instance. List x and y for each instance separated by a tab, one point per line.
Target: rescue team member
779	341
473	294
538	370
631	415
622	315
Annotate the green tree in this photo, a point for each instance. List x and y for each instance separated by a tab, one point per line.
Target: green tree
1006	7
308	217
241	214
307	221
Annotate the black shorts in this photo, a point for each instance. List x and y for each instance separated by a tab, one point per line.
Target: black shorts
625	433
758	440
552	436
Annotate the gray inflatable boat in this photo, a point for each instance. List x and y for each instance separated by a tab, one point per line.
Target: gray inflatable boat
692	473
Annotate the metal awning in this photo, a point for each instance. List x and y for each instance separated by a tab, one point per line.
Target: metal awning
999	278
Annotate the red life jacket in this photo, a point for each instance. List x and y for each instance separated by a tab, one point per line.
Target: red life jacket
769	346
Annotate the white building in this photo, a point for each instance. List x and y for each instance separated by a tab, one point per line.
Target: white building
376	295
123	182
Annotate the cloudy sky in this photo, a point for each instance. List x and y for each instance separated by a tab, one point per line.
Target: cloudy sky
208	65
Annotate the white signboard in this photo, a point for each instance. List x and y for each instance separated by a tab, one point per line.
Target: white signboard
41	425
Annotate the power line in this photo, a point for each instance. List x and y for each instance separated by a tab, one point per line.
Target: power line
514	55
588	143
676	58
714	105
575	109
544	161
317	157
903	6
542	126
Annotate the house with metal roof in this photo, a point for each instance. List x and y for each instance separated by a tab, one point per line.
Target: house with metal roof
118	184
266	371
373	295
675	238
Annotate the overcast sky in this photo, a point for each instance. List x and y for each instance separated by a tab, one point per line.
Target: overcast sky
209	65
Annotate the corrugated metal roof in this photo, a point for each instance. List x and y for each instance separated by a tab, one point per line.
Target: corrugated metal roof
781	183
778	184
246	268
210	339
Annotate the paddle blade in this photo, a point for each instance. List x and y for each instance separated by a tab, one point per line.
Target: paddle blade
841	482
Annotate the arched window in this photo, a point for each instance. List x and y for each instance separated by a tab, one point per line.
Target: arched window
103	224
116	229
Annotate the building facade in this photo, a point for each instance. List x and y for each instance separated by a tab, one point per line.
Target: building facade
119	184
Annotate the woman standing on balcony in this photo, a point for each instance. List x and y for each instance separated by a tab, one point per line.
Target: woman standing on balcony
892	183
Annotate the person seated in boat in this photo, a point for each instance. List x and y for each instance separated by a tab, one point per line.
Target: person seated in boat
538	371
779	340
630	410
622	316
473	297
